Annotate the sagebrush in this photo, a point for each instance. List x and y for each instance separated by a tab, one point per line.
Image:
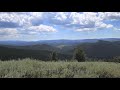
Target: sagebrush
28	68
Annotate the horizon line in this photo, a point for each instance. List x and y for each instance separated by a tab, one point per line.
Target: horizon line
59	39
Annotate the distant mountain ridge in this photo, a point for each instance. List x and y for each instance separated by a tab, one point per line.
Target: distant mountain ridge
56	42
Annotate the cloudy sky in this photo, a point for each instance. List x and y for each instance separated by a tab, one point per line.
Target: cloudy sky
58	25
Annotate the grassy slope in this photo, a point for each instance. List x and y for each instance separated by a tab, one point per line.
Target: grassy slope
39	69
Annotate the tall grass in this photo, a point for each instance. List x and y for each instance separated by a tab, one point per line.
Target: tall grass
28	68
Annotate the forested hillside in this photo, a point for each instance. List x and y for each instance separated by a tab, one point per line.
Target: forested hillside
102	49
98	50
13	53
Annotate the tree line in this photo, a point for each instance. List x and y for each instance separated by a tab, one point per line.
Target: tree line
78	55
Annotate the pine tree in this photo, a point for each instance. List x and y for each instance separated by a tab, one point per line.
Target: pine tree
79	55
116	59
54	56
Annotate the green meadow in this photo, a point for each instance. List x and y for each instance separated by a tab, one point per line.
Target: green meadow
28	68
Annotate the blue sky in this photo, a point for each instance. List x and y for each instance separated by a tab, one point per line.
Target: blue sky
32	26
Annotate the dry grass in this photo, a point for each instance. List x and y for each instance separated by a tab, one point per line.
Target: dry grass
28	68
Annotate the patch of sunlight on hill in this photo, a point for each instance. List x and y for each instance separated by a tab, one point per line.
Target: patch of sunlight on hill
61	46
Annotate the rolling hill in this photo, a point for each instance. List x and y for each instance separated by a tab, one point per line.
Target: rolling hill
14	53
101	49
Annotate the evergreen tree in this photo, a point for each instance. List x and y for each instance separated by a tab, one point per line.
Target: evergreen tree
54	56
116	59
79	55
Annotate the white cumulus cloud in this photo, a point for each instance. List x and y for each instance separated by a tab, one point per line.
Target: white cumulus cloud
109	15
87	21
8	31
42	28
37	22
